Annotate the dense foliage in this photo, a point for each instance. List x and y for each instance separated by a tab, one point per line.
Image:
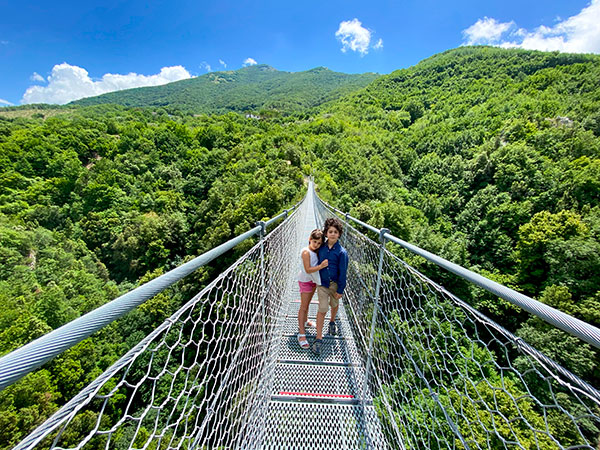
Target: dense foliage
491	159
258	88
488	157
92	203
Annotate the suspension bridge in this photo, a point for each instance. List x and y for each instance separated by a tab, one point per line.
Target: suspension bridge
412	367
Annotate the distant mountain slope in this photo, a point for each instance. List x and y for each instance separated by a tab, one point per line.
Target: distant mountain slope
457	83
247	89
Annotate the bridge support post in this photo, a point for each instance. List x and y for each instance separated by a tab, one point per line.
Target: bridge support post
368	368
263	232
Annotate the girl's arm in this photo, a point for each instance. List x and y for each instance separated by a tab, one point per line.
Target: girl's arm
306	261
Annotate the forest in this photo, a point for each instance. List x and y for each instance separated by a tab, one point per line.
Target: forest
487	157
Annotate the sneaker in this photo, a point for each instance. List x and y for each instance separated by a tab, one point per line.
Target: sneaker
316	347
332	328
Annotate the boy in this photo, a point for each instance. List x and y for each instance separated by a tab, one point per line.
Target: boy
333	279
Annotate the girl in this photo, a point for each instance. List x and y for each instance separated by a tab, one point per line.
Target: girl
308	279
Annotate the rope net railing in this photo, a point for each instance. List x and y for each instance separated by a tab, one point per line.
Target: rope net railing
192	382
443	375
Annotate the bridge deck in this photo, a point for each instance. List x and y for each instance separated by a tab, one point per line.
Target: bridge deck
316	402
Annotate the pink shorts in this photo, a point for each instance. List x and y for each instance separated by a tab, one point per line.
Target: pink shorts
307	286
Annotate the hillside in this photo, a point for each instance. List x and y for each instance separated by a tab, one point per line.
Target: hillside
248	89
458	83
486	156
481	141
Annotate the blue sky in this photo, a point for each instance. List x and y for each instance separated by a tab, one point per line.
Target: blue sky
58	51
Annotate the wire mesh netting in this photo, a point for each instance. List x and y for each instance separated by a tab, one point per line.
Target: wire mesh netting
192	382
445	376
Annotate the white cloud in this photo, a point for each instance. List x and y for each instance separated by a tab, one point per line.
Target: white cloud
68	83
223	63
4	102
354	36
249	62
37	77
577	34
205	65
378	45
486	31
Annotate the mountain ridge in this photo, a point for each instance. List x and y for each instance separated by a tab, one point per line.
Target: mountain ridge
247	89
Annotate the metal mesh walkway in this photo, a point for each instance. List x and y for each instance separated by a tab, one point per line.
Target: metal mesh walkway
317	402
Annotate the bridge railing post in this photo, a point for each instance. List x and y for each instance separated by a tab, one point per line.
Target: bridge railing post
263	232
369	365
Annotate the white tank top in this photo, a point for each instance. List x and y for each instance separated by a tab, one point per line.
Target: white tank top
314	261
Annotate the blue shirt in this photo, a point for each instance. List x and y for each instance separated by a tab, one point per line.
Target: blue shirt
337	269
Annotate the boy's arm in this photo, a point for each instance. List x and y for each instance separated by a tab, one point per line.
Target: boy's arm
343	271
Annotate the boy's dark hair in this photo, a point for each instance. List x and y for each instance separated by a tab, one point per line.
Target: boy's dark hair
317	234
335	223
